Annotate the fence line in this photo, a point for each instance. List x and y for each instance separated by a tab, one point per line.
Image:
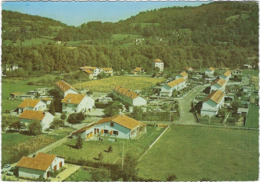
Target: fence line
150	146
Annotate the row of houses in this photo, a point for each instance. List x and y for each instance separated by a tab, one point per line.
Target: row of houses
215	100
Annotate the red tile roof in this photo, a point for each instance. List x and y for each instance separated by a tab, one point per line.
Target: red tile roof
158	61
227	73
73	98
216	96
33	115
126	92
41	161
220	82
176	82
64	86
29	103
184	73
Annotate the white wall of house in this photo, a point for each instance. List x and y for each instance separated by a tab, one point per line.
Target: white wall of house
139	101
70	91
166	90
210	108
217	87
209	72
47	120
96	71
30	173
58	162
160	65
85	105
41	106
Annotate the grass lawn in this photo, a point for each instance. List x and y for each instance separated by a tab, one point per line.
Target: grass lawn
194	153
14	142
252	117
107	84
80	175
91	149
250	72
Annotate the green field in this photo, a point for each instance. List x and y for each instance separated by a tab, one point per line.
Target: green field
107	84
10	86
80	175
91	149
252	117
250	72
193	153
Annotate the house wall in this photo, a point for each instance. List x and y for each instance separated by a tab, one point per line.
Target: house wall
86	104
69	108
210	108
41	106
70	91
139	101
166	91
160	65
56	162
208	72
47	120
30	173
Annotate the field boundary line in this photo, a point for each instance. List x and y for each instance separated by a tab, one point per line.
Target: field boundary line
150	146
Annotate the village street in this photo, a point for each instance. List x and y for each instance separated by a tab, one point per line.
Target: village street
186	117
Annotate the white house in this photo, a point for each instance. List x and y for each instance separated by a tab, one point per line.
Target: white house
45	118
226	76
177	85
39	166
129	97
210	71
94	70
13	67
66	88
120	126
75	103
107	71
212	103
158	63
32	104
182	74
190	69
247	66
219	84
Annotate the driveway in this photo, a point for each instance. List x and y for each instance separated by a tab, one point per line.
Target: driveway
186	117
70	169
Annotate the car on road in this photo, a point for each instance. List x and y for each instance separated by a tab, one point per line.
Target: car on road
6	168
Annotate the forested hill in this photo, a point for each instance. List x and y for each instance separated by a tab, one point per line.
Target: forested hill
19	26
218	34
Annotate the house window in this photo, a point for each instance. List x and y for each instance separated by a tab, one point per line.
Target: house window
115	132
112	124
106	131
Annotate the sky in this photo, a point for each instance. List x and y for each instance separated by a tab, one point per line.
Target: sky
77	13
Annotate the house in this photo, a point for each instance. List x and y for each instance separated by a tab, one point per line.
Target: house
177	85
89	73
24	96
75	103
182	74
190	69
129	97
66	88
210	71
15	95
138	70
212	103
46	100
247	66
39	166
107	71
219	84
45	118
9	67
237	72
32	104
226	76
242	111
95	70
247	89
42	91
120	126
159	64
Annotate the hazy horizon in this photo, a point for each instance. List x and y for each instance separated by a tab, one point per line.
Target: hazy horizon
77	13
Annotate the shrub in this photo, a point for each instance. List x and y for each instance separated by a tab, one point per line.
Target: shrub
35	128
110	149
30	83
100	156
63	116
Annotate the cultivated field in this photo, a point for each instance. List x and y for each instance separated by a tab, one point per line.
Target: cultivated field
196	153
252	117
91	149
107	84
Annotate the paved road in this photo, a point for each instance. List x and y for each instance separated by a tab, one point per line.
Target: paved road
186	117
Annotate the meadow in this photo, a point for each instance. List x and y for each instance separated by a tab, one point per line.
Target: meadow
130	82
252	117
195	153
91	149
